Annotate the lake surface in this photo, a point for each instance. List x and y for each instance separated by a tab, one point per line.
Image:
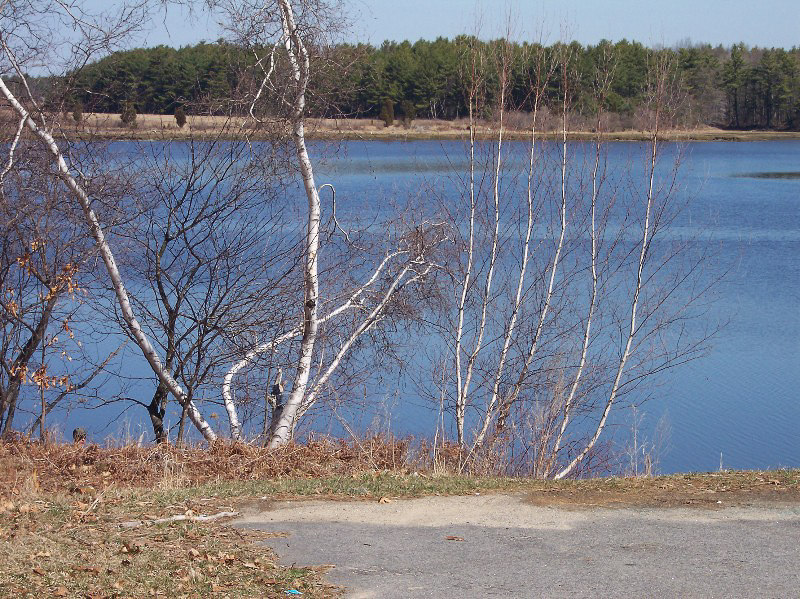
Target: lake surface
736	406
739	405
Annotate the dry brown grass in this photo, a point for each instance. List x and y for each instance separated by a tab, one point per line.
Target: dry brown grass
73	546
157	127
61	467
62	531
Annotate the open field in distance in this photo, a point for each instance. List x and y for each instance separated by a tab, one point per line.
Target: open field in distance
157	127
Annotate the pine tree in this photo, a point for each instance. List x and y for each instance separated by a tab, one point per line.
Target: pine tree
128	115
180	116
387	112
409	112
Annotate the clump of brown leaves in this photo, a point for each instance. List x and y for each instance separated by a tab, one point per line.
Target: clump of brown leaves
64	467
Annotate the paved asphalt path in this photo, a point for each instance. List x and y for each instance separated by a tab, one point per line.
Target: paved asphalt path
400	550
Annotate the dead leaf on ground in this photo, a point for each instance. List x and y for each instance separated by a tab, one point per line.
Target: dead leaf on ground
385	500
60	592
453	538
128	547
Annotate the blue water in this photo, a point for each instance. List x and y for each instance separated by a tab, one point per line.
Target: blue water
737	405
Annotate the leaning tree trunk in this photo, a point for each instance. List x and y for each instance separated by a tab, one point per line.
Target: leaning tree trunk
134	328
8	401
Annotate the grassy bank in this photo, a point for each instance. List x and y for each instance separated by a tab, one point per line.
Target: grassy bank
122	522
164	127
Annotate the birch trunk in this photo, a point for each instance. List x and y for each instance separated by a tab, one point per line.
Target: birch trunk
373	317
505	407
509	333
461	400
298	57
587	332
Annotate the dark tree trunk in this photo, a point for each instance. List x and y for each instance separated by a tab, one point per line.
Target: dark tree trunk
157	410
184	413
8	402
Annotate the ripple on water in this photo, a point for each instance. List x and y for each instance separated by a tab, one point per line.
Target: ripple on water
768	175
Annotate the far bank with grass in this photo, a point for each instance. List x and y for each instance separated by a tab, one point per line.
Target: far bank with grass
164	127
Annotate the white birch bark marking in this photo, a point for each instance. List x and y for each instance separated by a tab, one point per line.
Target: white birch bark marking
298	57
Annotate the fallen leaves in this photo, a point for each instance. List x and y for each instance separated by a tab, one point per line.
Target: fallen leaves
69	544
131	547
453	538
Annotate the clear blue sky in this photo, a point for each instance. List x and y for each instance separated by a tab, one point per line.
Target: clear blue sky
756	22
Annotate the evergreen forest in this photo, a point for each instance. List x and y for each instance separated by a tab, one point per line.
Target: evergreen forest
737	87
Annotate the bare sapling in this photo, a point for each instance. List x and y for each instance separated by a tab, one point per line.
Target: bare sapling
92	38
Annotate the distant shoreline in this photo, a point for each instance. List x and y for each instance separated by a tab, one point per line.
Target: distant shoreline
163	128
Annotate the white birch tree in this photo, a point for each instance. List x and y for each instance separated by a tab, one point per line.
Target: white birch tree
289	31
554	260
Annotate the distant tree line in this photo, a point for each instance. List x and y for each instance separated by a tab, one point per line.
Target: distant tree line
737	87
